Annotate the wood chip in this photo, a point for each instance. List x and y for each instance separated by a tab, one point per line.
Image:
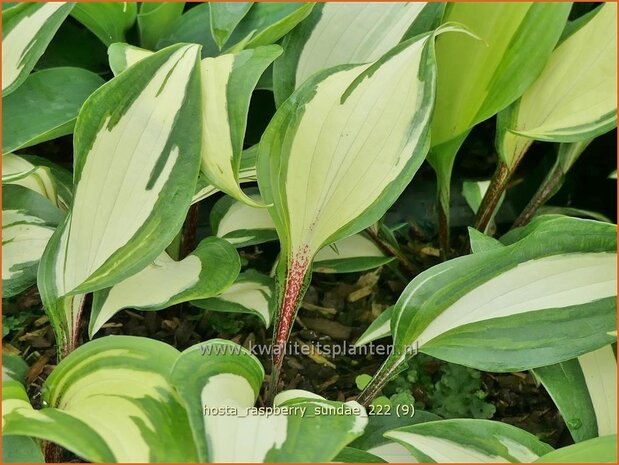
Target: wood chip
331	328
37	368
318	308
360	294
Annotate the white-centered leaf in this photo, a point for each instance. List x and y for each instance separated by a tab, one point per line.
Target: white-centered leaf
469	441
27	30
585	392
341	33
575	96
136	163
340	131
122	55
206	272
243	225
110	400
339	152
247	173
227	84
28	222
219	374
252	293
39	175
493	310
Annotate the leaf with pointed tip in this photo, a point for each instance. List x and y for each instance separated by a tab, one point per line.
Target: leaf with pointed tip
192	27
585	391
339	152
380	327
108	21
121	56
27	30
28	222
247	173
140	131
516	307
206	272
39	175
225	16
227	84
479	77
251	293
45	106
575	96
267	22
481	243
468	440
352	32
155	19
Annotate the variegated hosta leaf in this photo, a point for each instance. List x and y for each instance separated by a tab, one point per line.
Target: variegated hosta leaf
136	163
243	225
585	391
27	30
575	97
469	441
111	401
251	293
546	298
247	173
146	146
122	55
19	419
380	327
392	452
45	106
267	22
225	16
227	84
155	19
39	175
351	33
597	450
28	222
352	455
351	254
219	374
337	154
206	272
473	192
478	78
108	21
